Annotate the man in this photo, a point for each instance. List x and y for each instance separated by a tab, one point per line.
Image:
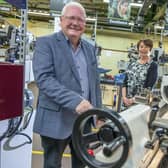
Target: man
65	70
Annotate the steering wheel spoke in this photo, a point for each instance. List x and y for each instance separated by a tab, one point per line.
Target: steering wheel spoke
90	137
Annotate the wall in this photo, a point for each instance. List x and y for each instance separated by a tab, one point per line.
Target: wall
114	43
118	42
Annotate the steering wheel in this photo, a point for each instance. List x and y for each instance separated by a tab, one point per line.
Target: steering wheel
108	141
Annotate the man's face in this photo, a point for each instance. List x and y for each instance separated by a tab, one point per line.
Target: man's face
73	22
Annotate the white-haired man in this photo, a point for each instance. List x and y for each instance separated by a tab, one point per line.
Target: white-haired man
65	70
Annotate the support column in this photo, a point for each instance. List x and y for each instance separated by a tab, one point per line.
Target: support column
23	40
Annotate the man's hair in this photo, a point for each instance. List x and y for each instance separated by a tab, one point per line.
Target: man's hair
147	42
76	4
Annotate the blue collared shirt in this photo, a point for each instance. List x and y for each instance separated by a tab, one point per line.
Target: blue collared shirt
81	66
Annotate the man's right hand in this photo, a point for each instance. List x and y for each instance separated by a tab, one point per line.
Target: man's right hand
83	106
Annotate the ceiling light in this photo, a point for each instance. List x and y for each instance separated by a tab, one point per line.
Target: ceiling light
136	4
106	1
39	13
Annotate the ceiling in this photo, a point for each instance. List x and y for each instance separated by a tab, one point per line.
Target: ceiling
141	18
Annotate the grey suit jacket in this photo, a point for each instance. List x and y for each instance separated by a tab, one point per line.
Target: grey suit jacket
59	86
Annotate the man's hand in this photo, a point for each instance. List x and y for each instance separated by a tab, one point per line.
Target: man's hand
128	101
83	106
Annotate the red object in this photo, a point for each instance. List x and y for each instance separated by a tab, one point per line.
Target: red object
108	77
90	152
11	90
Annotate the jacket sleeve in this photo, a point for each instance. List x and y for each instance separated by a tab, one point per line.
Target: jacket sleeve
152	75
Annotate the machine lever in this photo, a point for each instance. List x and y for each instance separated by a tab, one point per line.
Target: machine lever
149	145
112	147
95	146
159	132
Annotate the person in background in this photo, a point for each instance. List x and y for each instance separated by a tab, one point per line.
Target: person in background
65	70
122	11
139	74
112	7
119	9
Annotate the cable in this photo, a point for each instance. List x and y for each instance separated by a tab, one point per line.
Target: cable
11	133
7	145
27	118
14	124
11	129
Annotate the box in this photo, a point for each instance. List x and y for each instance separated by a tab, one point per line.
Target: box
11	90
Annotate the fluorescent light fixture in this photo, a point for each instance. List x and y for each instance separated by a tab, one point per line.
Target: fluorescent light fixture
136	4
39	13
91	19
3	8
107	1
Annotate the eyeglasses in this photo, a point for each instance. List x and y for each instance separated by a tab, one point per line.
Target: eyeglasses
73	18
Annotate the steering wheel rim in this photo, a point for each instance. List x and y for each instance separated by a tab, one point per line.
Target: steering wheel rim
80	140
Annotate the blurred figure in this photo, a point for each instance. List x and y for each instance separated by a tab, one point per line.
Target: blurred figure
119	9
112	7
140	74
122	9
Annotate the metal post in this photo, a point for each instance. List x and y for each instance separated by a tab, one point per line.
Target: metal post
23	49
57	27
23	31
161	35
95	27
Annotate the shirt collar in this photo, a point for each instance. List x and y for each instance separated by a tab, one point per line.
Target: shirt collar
69	43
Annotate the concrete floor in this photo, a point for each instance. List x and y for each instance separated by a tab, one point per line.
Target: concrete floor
37	155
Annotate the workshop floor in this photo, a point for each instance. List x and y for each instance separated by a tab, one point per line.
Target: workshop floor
37	155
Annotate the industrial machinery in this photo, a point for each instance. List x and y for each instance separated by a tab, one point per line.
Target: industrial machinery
164	88
126	139
15	116
114	139
16	111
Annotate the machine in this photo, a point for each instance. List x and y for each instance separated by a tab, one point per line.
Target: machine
125	139
164	88
115	140
16	111
16	117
